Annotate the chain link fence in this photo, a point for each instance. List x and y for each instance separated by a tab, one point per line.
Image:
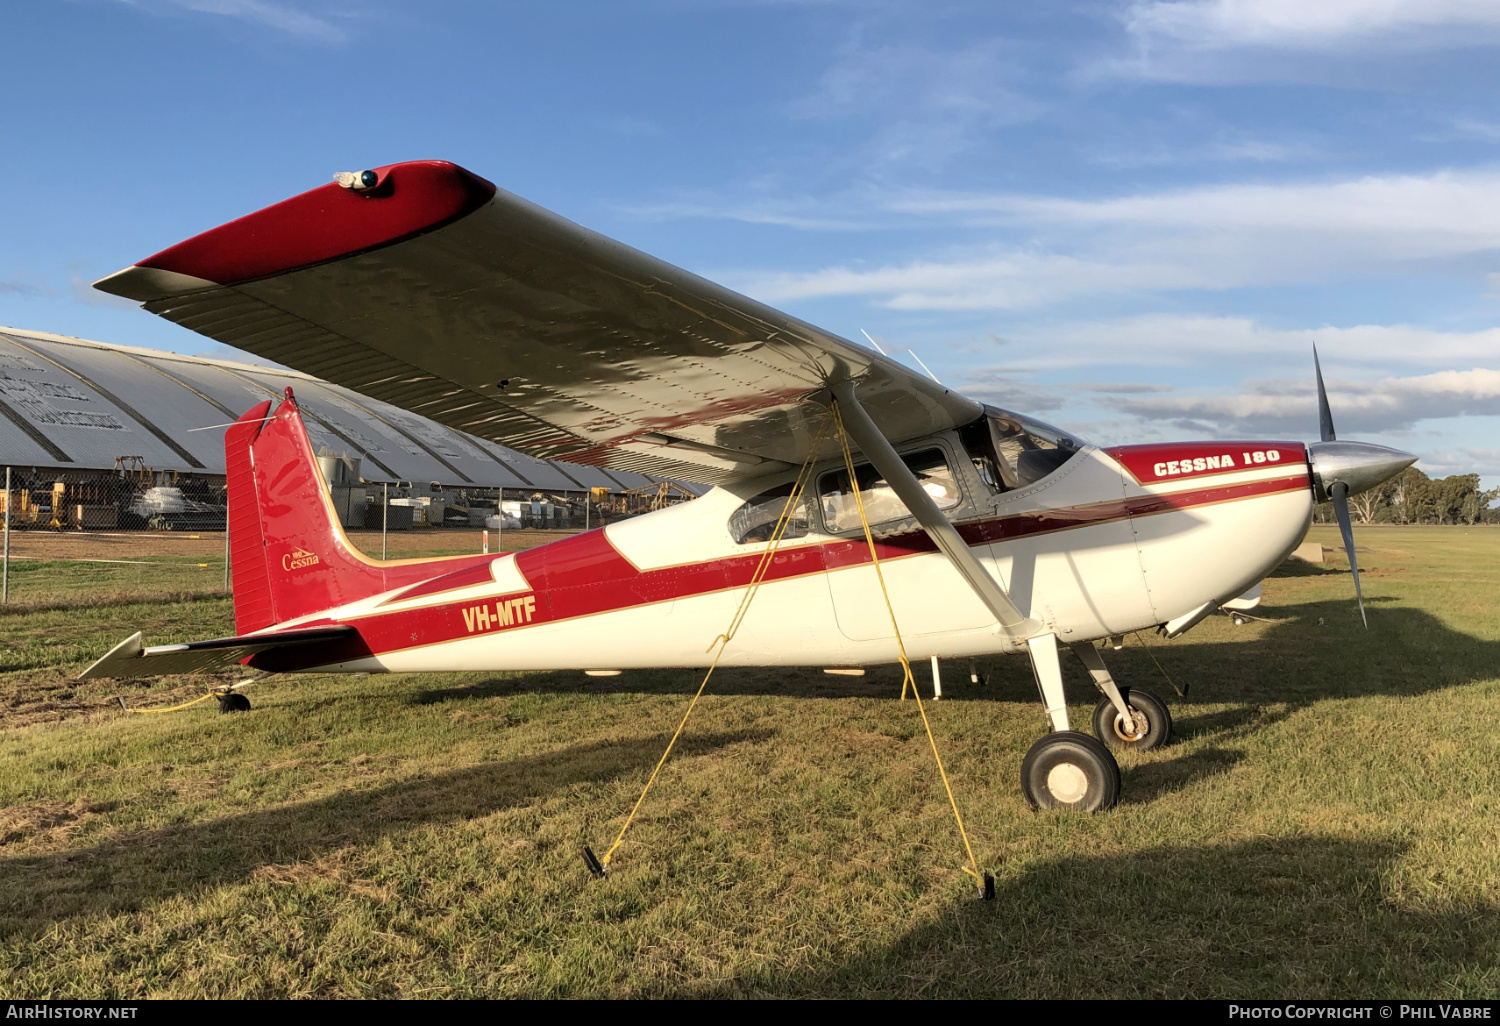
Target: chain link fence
86	538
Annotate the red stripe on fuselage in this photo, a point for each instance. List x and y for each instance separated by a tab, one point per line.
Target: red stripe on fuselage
585	575
1176	461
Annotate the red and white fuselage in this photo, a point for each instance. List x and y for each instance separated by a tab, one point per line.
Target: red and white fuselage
1116	540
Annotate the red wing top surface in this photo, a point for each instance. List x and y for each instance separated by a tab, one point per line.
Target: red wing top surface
445	296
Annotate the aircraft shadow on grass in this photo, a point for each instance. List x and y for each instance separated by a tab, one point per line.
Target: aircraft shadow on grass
146	867
1310	652
1264	918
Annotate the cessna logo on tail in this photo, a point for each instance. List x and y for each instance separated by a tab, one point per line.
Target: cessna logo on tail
297	559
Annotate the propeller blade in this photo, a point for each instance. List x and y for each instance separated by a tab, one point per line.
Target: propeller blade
1325	415
1339	493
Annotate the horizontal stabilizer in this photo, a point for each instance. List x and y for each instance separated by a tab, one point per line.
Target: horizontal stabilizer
1246	602
131	659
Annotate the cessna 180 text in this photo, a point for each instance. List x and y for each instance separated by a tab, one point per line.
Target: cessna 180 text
424	285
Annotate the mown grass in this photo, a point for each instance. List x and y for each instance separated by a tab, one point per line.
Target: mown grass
1325	824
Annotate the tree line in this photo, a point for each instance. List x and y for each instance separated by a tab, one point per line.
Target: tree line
1412	497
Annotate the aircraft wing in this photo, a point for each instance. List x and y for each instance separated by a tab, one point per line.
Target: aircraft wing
132	659
426	286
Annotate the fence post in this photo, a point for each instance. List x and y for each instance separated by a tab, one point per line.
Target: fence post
5	574
385	513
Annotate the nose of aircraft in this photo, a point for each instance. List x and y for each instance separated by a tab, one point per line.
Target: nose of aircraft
1358	465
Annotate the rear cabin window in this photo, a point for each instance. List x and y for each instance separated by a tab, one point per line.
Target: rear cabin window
756	520
841	511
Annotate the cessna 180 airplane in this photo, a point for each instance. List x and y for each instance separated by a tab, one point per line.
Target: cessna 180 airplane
426	286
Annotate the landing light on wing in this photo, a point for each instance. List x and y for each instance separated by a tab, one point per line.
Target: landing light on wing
359	181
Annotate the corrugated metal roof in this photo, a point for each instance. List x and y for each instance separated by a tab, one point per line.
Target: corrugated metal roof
69	403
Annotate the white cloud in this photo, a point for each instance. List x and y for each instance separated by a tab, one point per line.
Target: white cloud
1488	131
21	288
1359	407
1443	462
928	105
1214	237
1164	340
1230	149
800	213
1122	387
1443	212
1000	388
1006	280
280	17
1324	24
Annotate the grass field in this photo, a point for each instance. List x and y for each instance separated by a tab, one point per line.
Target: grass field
1325	823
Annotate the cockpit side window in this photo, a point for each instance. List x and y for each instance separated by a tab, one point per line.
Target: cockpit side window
1016	450
841	510
756	519
980	446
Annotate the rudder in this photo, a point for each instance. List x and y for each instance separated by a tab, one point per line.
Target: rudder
288	553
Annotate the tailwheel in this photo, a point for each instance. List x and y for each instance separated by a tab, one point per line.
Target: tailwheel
1153	723
233	701
1070	770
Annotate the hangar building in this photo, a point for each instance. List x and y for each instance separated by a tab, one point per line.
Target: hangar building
70	408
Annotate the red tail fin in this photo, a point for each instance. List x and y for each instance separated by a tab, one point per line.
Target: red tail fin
289	555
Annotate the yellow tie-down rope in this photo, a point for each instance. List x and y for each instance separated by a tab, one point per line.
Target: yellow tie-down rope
174	708
218	692
985	882
599	866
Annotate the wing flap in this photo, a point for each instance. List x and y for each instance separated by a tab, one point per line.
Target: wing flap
132	659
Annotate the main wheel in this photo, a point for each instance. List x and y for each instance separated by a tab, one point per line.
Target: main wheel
1070	770
1153	723
233	702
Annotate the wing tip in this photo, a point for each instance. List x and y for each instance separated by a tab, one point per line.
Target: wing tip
147	284
326	223
130	648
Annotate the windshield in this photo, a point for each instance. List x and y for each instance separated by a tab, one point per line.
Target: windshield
1010	450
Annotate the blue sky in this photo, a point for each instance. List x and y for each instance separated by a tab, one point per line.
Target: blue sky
1130	217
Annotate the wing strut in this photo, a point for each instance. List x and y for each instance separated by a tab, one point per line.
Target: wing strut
942	532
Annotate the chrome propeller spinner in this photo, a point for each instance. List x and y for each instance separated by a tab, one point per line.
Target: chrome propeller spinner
1342	469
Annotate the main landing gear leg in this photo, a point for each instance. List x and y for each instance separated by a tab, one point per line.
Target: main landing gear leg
1049	678
1132	718
1065	769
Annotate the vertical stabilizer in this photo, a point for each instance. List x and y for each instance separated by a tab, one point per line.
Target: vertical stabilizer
289	554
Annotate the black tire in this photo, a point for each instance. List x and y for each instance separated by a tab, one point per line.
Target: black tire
1070	770
1153	721
233	702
